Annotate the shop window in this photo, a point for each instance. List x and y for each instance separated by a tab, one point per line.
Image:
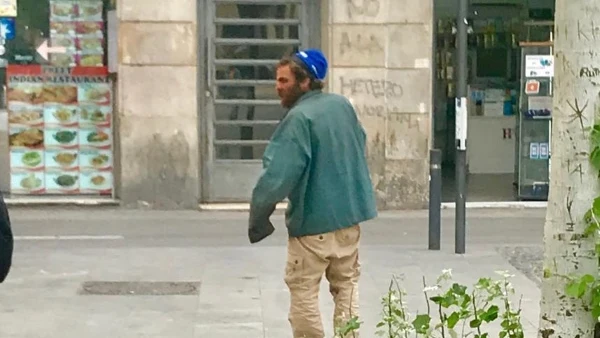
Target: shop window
58	100
76	25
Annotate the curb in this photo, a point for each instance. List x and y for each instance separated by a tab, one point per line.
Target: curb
49	201
447	205
498	205
241	207
233	206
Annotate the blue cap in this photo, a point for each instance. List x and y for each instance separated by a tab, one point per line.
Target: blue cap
315	62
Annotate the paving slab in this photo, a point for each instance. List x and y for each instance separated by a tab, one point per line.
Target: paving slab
241	289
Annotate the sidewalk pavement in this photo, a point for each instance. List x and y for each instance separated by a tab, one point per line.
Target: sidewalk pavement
241	288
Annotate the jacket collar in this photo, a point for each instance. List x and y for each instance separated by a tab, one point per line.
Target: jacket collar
306	96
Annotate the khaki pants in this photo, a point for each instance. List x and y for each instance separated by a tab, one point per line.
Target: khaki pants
334	254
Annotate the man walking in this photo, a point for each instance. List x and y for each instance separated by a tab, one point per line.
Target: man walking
317	159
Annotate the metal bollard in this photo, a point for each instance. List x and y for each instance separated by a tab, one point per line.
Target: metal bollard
435	198
461	198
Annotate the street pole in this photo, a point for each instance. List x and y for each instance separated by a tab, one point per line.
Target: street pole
461	126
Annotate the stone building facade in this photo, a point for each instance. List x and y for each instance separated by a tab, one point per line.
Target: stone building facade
380	54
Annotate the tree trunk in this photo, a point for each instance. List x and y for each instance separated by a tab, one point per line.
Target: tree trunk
573	180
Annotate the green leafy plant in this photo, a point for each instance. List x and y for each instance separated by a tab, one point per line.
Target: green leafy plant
453	310
348	328
395	319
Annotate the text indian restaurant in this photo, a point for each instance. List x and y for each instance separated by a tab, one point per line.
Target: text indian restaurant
56	120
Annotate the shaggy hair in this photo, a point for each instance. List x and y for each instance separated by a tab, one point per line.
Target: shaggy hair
300	72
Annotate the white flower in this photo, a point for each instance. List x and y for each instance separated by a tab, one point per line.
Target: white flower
505	274
431	288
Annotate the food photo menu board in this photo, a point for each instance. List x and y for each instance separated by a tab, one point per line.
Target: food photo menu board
60	130
78	26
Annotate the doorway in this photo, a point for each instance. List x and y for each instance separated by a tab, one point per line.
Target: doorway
245	40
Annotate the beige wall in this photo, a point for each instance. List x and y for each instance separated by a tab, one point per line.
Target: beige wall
157	103
380	55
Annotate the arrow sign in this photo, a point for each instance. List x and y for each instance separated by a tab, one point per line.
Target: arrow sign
44	50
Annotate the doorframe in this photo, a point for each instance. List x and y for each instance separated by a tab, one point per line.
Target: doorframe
312	28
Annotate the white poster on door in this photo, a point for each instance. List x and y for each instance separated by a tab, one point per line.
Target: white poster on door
539	66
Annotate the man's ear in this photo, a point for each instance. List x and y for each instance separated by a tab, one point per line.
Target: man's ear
305	84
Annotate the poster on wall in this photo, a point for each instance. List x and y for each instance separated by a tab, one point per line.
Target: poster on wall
77	25
60	130
8	8
539	66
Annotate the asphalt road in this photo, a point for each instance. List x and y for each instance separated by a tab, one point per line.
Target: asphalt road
139	228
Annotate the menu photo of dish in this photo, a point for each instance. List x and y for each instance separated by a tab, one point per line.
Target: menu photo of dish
61	115
67	41
60	93
90	29
25	115
27	182
90	10
62	182
8	8
62	159
96	182
25	92
96	93
95	160
63	28
23	137
61	10
63	59
93	115
97	138
90	45
87	59
26	160
62	138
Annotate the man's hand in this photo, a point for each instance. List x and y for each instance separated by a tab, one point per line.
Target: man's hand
259	226
258	232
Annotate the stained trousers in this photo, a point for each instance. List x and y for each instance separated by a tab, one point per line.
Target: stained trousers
334	254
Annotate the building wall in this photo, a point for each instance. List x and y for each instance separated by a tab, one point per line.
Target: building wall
157	104
380	54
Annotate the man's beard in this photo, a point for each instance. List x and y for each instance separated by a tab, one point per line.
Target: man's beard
290	97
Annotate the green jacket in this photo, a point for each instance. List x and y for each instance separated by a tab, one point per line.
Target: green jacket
317	159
